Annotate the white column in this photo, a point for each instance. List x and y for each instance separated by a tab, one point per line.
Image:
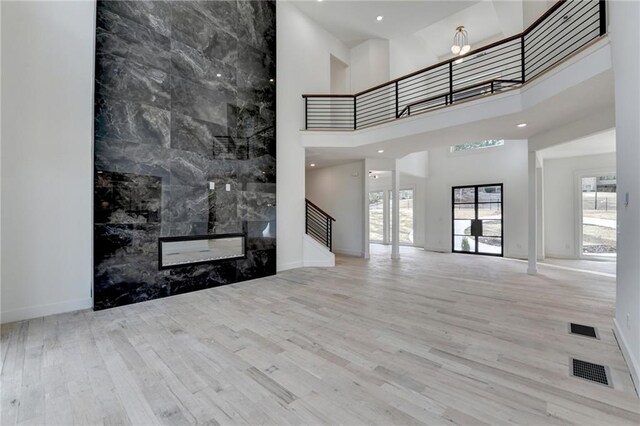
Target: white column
365	188
533	216
395	213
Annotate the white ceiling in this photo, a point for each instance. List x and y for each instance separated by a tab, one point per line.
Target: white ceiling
600	143
354	21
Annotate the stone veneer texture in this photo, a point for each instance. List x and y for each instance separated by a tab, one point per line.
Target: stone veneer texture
184	96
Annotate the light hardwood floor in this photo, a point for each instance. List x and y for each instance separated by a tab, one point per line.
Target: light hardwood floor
430	338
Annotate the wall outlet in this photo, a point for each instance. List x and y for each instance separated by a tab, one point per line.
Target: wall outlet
227	187
212	185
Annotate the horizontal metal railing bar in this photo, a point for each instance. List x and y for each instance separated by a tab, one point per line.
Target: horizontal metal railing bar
369	120
485	72
318	221
488	59
568	29
320	226
566	43
321	232
461	90
365	111
538	71
375	98
318	236
440	69
551	25
378	102
411	87
486	62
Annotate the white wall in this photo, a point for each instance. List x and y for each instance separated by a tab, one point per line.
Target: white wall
505	164
47	106
303	62
369	64
624	21
338	192
562	200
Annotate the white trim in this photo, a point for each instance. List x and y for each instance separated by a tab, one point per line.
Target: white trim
319	264
31	312
290	265
349	252
634	368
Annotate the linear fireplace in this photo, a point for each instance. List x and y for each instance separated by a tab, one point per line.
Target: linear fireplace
192	250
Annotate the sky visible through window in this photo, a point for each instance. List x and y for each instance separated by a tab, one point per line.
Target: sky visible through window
477	145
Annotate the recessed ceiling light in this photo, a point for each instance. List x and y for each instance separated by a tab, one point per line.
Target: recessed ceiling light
312	164
218	75
522	125
379	17
380	151
319	0
271	80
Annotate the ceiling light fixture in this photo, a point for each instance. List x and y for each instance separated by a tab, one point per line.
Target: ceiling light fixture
218	75
522	125
312	164
380	151
460	42
379	17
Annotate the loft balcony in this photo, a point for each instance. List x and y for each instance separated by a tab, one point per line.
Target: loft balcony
566	29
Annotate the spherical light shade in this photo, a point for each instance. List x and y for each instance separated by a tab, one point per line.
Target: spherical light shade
465	49
455	49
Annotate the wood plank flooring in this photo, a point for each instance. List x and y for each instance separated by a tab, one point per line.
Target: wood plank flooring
427	339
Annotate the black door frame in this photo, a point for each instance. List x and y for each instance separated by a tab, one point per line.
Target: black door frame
453	220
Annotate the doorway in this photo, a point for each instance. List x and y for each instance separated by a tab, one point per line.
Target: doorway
598	215
381	222
477	226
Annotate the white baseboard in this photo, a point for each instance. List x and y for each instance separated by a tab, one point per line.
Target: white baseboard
319	264
632	363
290	265
45	310
437	249
348	252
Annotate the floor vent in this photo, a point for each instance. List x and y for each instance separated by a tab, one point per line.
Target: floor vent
589	371
583	330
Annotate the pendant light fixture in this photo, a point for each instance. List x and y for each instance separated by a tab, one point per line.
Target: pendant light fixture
460	42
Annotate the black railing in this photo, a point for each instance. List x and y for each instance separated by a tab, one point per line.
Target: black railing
563	30
318	224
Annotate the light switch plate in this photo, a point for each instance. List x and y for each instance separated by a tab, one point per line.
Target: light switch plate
228	187
212	185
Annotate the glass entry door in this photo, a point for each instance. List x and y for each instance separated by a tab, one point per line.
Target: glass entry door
477	219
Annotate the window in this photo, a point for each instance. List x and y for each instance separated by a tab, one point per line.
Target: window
376	216
491	143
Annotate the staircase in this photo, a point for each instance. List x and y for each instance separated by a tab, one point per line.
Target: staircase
318	224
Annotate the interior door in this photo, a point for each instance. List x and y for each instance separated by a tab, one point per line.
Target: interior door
477	219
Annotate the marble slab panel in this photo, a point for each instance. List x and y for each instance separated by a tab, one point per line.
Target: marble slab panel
124	79
132	122
120	36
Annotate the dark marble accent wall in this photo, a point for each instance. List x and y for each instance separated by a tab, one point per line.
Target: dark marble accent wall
184	96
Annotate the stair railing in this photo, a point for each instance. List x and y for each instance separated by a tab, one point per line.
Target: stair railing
319	224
